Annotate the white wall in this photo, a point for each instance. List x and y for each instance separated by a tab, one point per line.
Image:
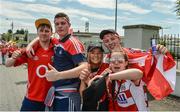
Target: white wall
147	34
177	87
138	36
133	38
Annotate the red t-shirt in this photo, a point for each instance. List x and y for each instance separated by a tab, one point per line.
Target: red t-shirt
4	51
37	87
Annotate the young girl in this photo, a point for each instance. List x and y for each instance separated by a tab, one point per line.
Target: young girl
126	90
95	58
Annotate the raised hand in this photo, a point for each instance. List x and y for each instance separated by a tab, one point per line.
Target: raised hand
84	75
16	54
51	75
162	49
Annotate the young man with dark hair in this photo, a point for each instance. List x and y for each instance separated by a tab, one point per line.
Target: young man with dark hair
68	61
37	86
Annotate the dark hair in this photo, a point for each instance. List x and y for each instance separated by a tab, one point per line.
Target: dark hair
61	14
106	31
45	25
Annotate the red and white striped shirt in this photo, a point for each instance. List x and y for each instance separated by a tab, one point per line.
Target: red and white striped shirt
128	96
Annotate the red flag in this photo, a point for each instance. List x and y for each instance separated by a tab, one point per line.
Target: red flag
160	75
159	72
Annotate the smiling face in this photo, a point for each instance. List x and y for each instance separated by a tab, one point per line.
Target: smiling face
118	62
95	56
111	41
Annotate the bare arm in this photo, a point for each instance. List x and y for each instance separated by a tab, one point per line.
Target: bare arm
130	74
10	61
83	86
53	74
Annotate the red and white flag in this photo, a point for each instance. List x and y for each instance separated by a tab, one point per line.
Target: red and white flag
159	72
160	75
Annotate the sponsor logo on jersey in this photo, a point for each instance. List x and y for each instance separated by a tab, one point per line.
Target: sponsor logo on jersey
35	58
121	98
45	55
38	71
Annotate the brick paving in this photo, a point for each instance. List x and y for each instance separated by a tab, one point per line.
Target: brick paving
13	88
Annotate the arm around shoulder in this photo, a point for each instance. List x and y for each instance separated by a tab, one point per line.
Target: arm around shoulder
29	48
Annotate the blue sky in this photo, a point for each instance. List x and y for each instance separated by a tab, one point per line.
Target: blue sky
99	13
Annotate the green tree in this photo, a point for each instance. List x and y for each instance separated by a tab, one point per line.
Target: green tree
178	8
16	38
3	37
17	31
9	31
26	35
22	31
7	36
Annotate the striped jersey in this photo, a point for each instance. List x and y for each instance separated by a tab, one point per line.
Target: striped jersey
128	97
68	53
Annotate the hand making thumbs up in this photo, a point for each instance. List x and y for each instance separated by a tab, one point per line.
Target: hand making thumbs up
51	75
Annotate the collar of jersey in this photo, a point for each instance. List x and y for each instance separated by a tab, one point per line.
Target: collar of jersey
65	38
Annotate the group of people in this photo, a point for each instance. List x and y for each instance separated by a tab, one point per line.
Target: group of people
59	72
6	50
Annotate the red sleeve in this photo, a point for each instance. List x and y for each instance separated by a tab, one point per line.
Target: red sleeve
21	60
75	46
54	41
